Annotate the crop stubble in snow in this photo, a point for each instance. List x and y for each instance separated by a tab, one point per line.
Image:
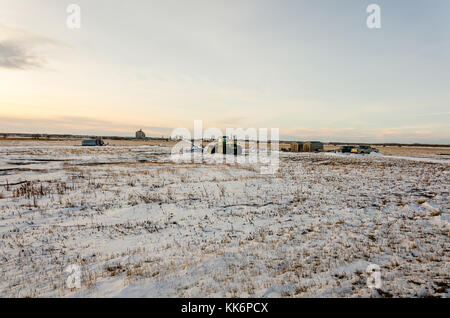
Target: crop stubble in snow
138	224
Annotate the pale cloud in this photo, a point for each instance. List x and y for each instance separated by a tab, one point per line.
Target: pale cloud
22	50
15	55
434	114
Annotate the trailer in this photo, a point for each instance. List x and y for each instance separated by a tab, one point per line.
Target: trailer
312	146
299	146
93	142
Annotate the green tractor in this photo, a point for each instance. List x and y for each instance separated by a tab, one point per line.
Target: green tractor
226	147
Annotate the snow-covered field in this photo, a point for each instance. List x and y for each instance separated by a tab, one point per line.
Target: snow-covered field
139	225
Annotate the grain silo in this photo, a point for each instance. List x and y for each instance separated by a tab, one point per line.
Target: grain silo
140	134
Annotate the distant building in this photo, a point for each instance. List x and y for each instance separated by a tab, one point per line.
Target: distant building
296	146
299	146
312	146
140	134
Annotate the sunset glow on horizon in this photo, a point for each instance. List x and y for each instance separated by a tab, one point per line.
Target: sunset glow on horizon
311	68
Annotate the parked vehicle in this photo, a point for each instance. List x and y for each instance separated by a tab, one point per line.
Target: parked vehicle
364	149
93	142
345	149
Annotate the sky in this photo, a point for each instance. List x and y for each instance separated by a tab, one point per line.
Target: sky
311	68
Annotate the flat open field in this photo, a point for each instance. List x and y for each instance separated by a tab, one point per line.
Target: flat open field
23	142
438	152
139	225
442	152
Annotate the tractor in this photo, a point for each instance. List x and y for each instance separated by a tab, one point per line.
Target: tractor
226	147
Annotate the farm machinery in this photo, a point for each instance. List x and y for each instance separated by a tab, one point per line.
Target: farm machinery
225	146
